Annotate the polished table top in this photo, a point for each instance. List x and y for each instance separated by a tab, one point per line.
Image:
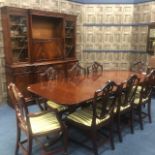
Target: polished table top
69	92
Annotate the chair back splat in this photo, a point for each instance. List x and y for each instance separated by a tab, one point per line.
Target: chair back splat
94	68
129	91
139	66
19	105
104	101
51	74
76	72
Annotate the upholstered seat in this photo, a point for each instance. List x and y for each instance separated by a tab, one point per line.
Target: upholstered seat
139	88
44	123
56	106
84	116
137	100
122	108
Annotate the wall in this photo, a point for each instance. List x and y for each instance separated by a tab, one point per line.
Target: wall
114	35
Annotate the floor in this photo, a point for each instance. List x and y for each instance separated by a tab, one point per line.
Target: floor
140	143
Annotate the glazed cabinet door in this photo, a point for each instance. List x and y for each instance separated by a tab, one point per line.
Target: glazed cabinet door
69	33
15	29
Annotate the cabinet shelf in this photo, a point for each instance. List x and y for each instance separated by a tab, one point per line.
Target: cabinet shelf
69	27
19	48
18	25
69	46
46	40
69	37
18	37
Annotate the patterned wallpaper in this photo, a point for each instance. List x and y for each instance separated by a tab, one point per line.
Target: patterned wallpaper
114	35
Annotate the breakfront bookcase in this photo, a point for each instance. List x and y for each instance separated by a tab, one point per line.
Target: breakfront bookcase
35	40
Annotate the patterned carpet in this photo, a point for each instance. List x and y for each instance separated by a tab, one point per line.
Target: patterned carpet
140	143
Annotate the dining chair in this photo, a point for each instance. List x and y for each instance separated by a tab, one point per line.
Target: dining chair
51	74
143	97
139	67
76	72
98	115
34	125
94	68
125	103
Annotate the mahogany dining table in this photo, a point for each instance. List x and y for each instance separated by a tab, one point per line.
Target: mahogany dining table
71	92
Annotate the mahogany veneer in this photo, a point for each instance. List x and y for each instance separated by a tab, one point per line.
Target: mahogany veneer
68	92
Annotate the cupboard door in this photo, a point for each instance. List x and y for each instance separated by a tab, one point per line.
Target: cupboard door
15	29
19	42
22	77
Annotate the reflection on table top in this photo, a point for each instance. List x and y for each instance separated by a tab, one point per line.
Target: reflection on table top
70	92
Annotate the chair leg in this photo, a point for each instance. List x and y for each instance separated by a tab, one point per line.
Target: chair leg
149	112
94	142
131	121
119	129
65	139
112	136
29	145
17	140
140	117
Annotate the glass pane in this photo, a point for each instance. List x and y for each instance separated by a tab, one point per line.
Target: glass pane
69	39
18	26
152	33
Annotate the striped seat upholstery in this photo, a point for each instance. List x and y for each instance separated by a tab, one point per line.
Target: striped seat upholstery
56	106
44	123
137	96
139	88
137	100
122	108
84	116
